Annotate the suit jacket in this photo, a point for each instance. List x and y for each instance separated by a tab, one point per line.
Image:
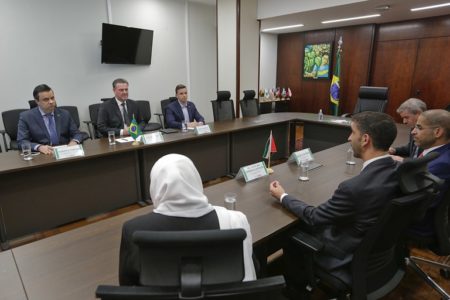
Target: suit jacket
32	129
110	117
439	167
174	115
129	265
341	222
409	149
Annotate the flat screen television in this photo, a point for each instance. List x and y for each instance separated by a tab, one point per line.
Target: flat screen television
126	45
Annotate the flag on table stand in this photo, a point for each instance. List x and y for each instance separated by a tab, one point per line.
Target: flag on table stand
134	131
335	87
268	150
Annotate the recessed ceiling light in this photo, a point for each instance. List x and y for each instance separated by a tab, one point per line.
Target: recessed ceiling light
431	6
282	27
350	19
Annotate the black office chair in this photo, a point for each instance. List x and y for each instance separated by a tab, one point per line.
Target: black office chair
439	244
202	264
94	133
223	107
162	114
146	114
371	98
73	111
249	104
32	103
10	121
378	263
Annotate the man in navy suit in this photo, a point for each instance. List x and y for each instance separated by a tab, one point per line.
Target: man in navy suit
116	114
342	221
182	111
432	133
46	125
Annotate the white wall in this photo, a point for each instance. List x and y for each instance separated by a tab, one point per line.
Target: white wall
226	32
58	42
268	61
249	46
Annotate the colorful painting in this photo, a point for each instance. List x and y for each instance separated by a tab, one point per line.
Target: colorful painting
317	61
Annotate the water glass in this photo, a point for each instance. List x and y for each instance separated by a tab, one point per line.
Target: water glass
26	151
111	137
304	166
350	157
184	127
230	201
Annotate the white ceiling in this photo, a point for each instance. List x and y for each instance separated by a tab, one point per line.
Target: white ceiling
399	10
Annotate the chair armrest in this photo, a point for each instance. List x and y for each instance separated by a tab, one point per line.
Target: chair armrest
3	133
90	124
160	116
307	241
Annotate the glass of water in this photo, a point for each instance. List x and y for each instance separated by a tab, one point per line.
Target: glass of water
26	151
304	168
230	201
111	137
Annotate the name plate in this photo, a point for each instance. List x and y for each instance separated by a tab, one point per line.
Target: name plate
252	172
301	156
63	152
202	129
153	138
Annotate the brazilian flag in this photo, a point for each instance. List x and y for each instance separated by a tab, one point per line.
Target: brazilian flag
134	129
335	87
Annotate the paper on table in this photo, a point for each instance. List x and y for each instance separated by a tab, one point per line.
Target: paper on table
125	140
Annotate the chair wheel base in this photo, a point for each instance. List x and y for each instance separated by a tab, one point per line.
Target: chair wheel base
445	273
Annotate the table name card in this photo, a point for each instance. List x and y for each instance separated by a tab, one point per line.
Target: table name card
63	152
301	156
202	129
252	172
153	138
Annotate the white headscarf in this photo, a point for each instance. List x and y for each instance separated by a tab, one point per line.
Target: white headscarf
176	188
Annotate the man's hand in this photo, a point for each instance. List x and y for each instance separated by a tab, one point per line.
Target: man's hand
72	143
192	124
397	158
276	190
125	131
45	149
391	150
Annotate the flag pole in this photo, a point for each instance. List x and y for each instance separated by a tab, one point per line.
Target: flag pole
269	169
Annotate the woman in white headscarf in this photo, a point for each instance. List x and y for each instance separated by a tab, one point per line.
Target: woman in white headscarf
179	204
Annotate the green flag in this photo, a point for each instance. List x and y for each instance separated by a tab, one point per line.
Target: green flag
134	129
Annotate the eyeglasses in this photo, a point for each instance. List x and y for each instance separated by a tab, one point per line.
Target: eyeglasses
420	128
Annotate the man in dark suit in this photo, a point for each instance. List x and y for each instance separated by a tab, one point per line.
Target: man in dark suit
46	125
432	133
182	111
342	221
116	114
409	111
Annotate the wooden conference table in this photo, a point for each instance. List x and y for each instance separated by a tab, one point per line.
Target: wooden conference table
44	193
71	265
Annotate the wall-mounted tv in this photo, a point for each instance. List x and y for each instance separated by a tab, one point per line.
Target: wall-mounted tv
126	45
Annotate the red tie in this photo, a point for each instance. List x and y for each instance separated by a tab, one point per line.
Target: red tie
420	155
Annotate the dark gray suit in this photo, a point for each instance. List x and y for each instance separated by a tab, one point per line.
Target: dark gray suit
342	221
31	128
408	150
110	117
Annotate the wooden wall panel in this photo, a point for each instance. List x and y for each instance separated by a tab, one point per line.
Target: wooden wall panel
355	63
432	72
393	66
416	29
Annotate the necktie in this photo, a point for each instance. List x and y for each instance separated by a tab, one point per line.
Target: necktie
126	120
420	155
54	139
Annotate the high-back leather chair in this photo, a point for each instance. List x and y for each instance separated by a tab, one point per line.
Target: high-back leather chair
371	98
162	115
201	264
32	103
249	104
92	124
223	107
10	122
378	263
146	114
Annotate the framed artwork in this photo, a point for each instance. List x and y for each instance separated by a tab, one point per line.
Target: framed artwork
317	61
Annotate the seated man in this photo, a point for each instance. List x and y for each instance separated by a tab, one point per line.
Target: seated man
117	113
182	111
46	125
432	134
342	221
179	204
409	111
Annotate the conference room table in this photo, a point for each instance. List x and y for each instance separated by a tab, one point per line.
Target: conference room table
44	193
72	264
